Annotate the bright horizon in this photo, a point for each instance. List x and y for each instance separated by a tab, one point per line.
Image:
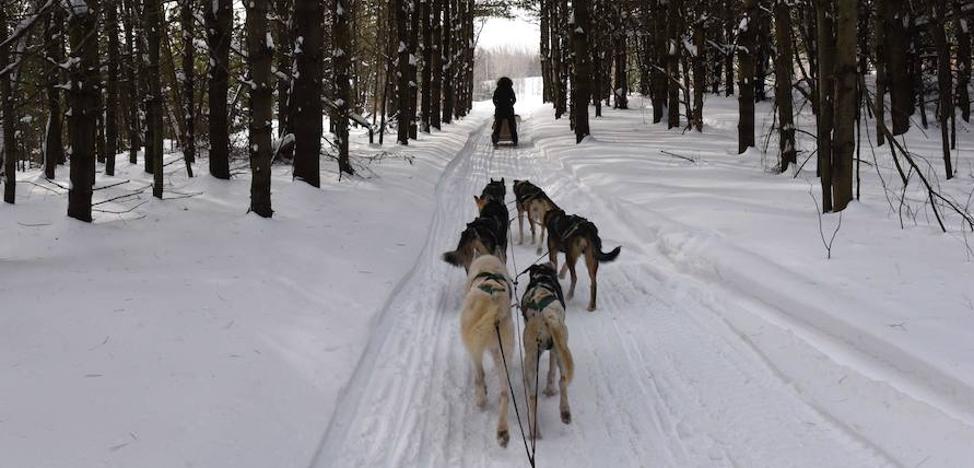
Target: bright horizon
517	33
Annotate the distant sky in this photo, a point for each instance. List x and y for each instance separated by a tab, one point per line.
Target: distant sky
516	33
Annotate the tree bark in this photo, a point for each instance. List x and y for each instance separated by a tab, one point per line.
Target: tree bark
963	60
436	65
83	26
826	68
219	27
259	58
426	14
745	55
153	30
900	81
9	120
111	90
699	58
53	143
783	66
341	12
583	73
448	62
306	113
674	45
284	41
846	102
133	94
945	85
404	91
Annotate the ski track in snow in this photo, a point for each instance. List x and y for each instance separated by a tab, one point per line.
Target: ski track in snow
660	379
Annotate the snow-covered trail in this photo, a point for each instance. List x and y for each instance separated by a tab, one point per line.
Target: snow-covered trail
661	379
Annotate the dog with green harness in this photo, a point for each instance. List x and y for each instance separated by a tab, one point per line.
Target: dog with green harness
543	306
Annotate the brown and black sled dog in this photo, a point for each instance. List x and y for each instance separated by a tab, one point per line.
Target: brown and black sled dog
576	236
532	200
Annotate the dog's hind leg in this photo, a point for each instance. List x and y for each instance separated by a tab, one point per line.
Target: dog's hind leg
531	368
503	434
566	410
570	259
549	389
479	382
593	269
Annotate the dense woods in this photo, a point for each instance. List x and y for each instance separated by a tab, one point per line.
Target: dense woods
284	81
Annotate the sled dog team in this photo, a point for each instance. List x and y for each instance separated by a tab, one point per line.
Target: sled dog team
485	321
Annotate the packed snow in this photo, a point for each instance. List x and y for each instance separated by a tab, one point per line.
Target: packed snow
185	332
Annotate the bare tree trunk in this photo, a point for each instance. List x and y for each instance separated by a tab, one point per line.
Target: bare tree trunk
448	65
699	72
284	41
729	25
963	60
825	41
404	91
945	85
341	12
846	103
882	79
53	144
83	26
621	89
219	27
132	94
413	66
783	66
436	65
427	91
153	30
111	91
306	114
189	86
583	73
558	58
260	55
900	81
745	55
674	45
545	49
9	120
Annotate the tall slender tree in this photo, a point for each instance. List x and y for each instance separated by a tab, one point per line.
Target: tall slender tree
153	28
111	86
219	31
306	111
341	13
186	17
7	109
745	56
846	102
260	56
83	95
783	67
53	143
583	72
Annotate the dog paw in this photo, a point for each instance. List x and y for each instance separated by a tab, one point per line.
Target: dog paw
566	416
503	437
550	392
590	308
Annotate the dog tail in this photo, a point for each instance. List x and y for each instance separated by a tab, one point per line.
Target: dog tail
559	335
604	257
451	257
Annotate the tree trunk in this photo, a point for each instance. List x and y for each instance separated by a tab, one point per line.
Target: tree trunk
583	73
882	79
9	120
414	14
111	91
82	24
900	81
153	31
284	41
846	103
826	57
189	86
426	14
783	66
745	55
547	85
448	62
53	144
621	90
341	12
674	46
729	25
436	66
403	90
306	113
963	60
219	27
945	107
259	58
133	93
699	72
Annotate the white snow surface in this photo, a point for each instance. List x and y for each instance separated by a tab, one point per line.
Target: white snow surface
188	333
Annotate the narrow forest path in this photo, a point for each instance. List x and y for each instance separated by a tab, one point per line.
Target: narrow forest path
661	380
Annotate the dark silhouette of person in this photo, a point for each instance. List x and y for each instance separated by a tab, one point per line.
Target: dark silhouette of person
504	100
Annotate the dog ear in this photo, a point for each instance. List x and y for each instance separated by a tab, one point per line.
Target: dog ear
502	180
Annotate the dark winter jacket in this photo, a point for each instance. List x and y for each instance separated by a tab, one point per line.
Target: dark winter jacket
504	98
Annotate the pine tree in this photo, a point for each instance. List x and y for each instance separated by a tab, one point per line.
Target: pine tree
260	56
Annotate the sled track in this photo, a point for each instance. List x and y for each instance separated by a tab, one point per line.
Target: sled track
660	380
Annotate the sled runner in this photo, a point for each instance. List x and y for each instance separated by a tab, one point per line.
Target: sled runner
505	136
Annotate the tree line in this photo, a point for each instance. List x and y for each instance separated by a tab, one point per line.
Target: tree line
82	80
897	61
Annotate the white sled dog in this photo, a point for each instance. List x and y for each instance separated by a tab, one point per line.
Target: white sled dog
487	311
543	307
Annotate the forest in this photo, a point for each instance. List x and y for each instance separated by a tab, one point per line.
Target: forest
84	80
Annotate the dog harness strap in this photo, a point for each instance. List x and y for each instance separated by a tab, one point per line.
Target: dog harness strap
540	305
491	289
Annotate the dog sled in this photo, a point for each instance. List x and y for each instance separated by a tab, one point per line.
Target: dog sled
505	136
